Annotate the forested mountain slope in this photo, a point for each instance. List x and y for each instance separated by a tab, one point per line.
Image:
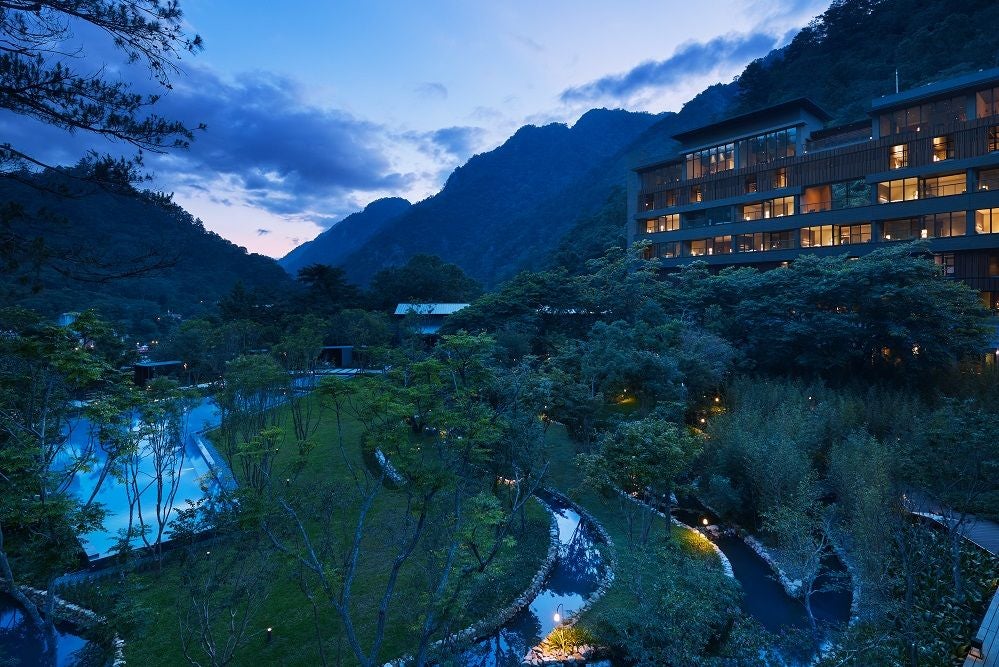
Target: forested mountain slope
70	237
337	243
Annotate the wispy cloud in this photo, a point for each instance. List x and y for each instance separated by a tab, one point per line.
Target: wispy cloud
432	89
263	232
691	59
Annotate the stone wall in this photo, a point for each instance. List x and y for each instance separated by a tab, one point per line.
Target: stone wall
75	615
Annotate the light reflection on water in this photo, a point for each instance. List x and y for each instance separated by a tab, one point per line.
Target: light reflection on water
195	477
573	580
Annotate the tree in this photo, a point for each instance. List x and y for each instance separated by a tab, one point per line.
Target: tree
45	75
423	279
38	79
645	457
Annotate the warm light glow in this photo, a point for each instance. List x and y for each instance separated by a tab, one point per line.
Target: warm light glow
557	618
704	521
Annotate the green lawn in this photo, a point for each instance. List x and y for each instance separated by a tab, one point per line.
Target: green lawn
567	477
323	487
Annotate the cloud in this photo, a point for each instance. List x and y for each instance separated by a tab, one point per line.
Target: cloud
432	89
263	232
460	142
690	59
526	41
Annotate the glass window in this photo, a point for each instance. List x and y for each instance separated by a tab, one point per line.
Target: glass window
943	148
939	225
780	178
904	229
942	186
664	223
696	194
764	241
902	189
898	156
946	263
814	237
987	221
993	266
994	138
750	184
987	102
988	179
850	234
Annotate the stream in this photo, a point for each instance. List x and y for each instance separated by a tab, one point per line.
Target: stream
576	576
763	596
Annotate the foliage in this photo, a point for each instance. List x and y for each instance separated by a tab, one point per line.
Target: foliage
840	61
676	606
423	279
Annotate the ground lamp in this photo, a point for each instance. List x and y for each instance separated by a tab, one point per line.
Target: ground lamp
558	620
975	652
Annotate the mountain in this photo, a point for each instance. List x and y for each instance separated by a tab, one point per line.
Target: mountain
333	246
64	239
514	207
503	210
851	53
510	208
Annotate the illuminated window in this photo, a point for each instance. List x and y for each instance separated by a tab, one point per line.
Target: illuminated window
987	221
942	186
946	263
780	178
814	237
750	184
898	156
943	148
664	223
902	189
696	194
719	245
994	138
771	208
850	234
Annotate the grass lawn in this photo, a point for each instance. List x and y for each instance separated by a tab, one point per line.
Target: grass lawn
567	477
326	502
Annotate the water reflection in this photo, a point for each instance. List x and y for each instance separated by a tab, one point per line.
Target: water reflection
576	576
23	643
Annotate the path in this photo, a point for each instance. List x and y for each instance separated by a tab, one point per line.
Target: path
985	534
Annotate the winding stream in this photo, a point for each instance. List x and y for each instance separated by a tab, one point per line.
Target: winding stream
576	576
764	598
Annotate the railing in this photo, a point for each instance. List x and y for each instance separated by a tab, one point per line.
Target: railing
944	190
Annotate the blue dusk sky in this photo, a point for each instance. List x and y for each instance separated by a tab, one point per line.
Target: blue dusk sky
314	109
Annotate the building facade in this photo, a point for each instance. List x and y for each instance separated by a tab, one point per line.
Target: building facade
762	188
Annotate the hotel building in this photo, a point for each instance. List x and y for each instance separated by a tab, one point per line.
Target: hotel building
764	187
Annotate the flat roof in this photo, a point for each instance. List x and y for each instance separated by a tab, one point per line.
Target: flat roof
429	308
766	112
935	88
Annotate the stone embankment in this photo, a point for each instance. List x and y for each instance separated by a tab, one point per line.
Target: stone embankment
494	622
75	615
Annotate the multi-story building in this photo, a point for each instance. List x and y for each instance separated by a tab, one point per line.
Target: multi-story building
764	187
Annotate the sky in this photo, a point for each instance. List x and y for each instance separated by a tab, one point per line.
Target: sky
315	108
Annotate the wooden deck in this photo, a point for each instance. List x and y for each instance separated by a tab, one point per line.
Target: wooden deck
985	534
989	634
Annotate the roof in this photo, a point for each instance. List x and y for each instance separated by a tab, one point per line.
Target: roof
764	113
937	88
429	308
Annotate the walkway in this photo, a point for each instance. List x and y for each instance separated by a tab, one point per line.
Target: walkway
985	534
